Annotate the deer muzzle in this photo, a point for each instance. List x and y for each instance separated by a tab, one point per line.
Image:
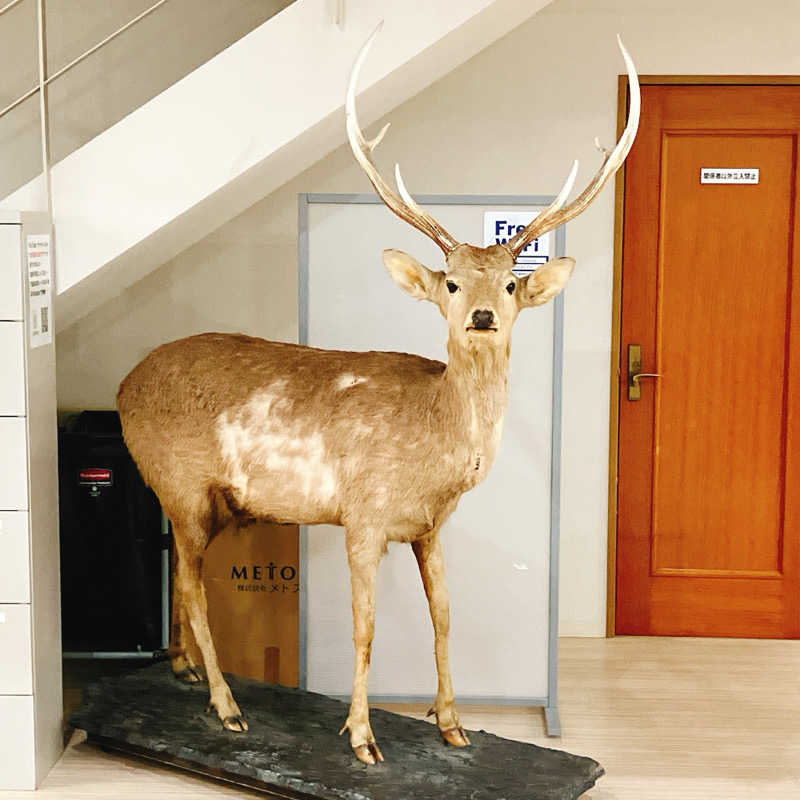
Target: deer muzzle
482	320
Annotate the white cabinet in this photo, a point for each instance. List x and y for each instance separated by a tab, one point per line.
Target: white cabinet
10	272
15	570
12	364
17	743
31	702
13	464
16	673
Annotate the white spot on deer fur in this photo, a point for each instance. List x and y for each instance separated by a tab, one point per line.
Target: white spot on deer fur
360	429
497	431
474	423
347	380
381	495
228	436
252	438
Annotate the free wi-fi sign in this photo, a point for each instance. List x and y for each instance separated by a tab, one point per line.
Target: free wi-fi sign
500	226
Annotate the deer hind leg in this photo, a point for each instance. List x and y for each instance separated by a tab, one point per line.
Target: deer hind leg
183	665
190	543
363	557
428	552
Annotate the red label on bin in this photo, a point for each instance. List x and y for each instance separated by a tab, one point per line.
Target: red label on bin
95	476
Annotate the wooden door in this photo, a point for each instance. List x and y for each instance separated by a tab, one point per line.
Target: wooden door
708	540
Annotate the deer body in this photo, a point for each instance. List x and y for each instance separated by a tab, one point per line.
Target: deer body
293	434
229	427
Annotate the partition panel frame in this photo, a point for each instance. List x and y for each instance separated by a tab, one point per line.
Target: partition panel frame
549	703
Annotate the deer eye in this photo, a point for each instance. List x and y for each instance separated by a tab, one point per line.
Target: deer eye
510	288
451	287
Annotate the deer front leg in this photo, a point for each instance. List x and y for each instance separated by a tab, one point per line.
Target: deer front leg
428	552
363	557
193	598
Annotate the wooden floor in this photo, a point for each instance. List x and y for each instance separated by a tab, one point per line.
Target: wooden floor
669	719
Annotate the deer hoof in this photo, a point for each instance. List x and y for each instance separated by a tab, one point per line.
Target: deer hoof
456	736
190	674
368	753
362	741
235	723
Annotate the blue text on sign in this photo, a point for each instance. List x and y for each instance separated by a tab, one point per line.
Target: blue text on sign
503	230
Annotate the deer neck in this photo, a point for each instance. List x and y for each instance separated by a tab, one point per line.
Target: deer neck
473	398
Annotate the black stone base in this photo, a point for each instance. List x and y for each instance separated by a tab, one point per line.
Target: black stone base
292	750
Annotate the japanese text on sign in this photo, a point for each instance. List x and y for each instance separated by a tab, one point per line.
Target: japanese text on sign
40	290
729	175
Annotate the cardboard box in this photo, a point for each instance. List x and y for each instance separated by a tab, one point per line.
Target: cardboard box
253	585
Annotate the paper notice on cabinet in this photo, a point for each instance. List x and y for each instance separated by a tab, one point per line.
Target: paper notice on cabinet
40	290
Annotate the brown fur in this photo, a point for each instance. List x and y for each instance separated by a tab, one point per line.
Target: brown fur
225	426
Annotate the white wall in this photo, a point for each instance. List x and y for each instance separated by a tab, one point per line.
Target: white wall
508	121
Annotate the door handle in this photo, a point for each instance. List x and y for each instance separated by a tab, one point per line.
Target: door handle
635	373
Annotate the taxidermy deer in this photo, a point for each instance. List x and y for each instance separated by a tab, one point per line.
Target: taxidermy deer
226	427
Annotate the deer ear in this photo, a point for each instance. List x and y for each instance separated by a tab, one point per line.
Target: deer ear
545	283
411	276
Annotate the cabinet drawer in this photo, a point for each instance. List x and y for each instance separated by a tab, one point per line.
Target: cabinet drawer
16	673
13	463
12	366
15	567
10	272
17	769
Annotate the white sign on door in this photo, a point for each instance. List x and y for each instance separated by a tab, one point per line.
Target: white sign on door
729	175
500	226
40	290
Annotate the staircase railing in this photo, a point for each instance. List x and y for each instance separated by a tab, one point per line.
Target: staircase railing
45	80
31	92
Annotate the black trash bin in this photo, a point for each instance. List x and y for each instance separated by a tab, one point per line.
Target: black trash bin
113	598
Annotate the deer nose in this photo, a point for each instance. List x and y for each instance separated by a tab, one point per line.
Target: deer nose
482	319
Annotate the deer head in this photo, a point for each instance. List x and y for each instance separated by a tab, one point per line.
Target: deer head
478	294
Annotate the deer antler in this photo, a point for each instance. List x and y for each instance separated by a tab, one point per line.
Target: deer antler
404	206
554	215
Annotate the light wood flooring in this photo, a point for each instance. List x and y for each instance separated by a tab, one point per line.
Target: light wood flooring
669	719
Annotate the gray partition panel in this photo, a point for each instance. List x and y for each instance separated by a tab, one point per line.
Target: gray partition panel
501	544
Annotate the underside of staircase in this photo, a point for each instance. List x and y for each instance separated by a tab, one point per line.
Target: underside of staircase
238	127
